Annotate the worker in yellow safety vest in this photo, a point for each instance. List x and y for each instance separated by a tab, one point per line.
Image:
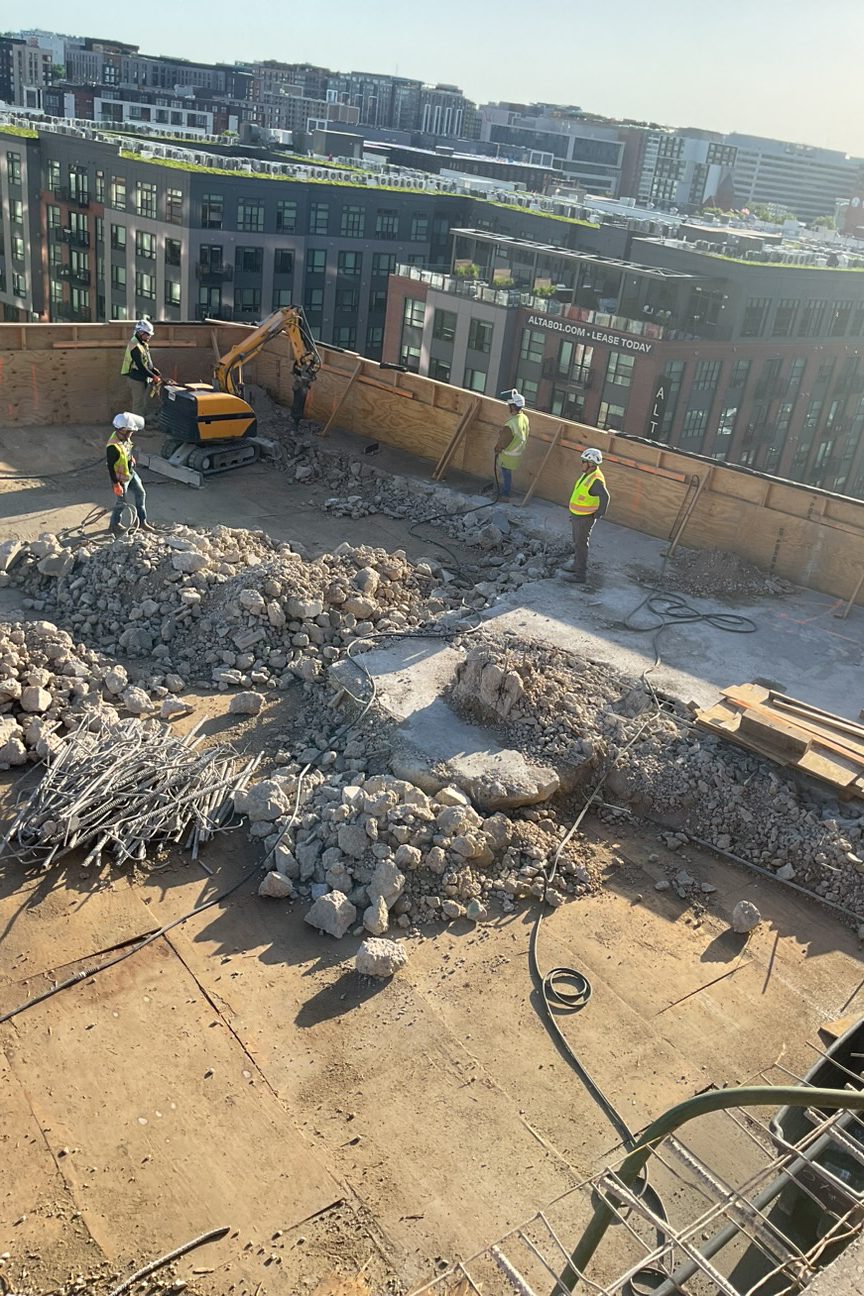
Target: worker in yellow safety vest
125	481
142	377
589	501
512	441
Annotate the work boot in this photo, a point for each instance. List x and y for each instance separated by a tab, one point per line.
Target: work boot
569	566
146	526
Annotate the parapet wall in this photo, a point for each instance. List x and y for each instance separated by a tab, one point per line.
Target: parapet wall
60	373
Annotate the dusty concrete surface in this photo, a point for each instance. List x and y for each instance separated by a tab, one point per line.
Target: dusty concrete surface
237	1072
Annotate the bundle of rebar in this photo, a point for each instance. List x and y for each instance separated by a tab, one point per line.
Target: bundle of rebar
124	787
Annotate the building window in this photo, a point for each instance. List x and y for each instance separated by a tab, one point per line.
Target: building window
810	319
210	258
480	336
248	300
619	369
13	168
174	206
282	297
79	300
250	216
212	211
374	338
444	326
173	249
475	380
533	345
567	404
345	336
172	292
574	360
611	417
347	299
118	192
118	238
286	217
145	199
316	261
118	277
824	372
54	176
740	373
17	249
53	216
56	293
249	260
314	299
838	322
378	300
440	370
283	261
409	356
420	232
349	263
99	223
353	222
811	418
383	263
694	424
529	391
19	285
319	218
414	312
784	317
754	316
387	224
707	375
17	211
145	285
100	186
145	245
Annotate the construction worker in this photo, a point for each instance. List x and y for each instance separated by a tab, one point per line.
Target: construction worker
138	369
121	469
512	441
589	501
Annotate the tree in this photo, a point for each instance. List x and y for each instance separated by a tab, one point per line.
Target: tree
824	222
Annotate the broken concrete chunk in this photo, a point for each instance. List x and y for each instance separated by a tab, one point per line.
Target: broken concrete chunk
277	886
172	708
376	919
745	916
264	801
9	551
333	913
34	698
387	882
116	679
137	701
188	562
380	958
248	703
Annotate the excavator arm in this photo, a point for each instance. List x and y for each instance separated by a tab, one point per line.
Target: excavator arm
289	320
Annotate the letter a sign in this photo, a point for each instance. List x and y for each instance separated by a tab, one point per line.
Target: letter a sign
658	407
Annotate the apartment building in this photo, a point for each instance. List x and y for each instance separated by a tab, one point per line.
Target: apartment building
26	68
584	152
758	362
672	168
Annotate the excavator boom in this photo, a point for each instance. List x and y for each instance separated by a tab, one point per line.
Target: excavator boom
288	320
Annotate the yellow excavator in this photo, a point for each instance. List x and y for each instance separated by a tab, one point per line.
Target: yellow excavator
210	427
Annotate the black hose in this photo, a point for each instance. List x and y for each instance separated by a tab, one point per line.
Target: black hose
671	610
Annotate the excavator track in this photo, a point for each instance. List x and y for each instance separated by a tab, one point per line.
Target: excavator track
218	459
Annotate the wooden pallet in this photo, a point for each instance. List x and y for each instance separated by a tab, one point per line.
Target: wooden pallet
791	733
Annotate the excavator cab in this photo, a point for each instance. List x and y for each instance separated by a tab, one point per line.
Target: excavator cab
211	427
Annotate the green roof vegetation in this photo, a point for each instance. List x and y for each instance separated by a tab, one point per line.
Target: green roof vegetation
23	132
781	265
568	220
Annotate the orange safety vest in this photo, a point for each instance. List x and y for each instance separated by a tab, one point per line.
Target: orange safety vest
582	502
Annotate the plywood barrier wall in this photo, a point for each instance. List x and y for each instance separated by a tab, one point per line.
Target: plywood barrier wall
53	373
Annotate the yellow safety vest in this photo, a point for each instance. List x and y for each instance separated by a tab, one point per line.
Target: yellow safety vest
519	426
126	367
123	467
581	501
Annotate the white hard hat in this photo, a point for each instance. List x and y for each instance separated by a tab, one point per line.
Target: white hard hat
127	422
144	326
516	398
592	456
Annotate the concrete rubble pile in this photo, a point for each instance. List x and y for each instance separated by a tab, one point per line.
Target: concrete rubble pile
49	685
375	852
232	608
714	573
580	717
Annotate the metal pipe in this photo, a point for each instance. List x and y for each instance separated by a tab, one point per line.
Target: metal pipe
700	1105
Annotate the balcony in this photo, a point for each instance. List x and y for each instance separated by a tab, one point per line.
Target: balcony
579	376
72	196
214	312
213	273
80	278
75	238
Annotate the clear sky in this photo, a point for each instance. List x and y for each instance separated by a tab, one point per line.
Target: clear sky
786	68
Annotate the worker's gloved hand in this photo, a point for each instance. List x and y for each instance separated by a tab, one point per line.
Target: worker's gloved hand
118	489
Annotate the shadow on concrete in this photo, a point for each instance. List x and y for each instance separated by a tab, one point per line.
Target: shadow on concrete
725	948
342	996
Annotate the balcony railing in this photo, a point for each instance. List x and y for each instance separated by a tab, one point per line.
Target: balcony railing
75	238
578	376
74	196
214	312
213	273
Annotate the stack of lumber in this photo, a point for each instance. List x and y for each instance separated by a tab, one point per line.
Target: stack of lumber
792	733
